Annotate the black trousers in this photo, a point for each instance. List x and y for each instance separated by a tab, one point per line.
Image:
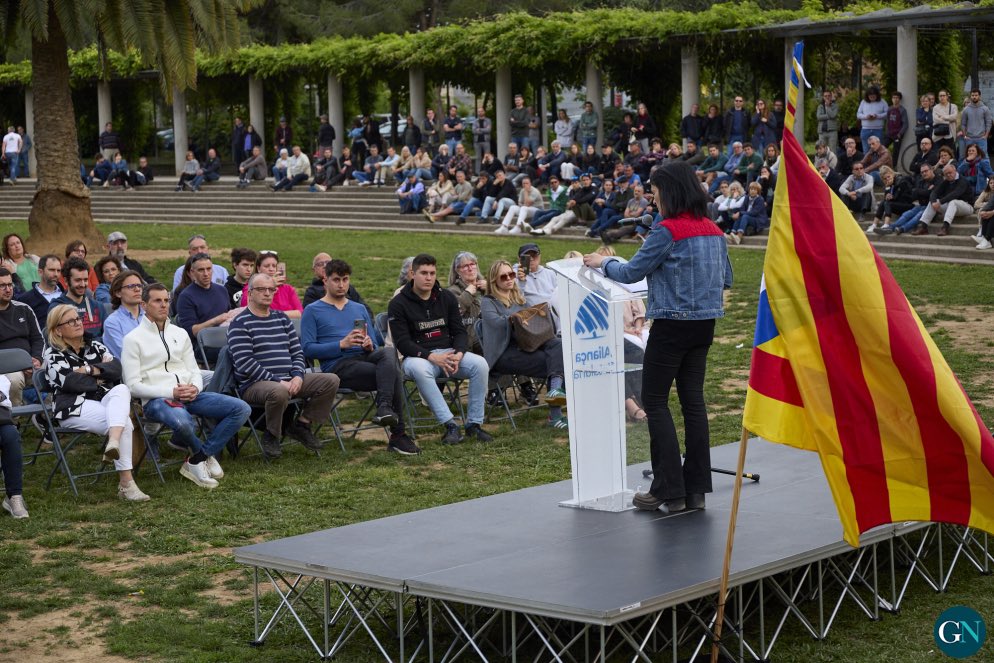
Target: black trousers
678	350
542	363
377	371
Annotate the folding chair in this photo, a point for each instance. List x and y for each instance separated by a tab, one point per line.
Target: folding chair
210	340
11	361
153	449
451	391
53	432
336	421
503	382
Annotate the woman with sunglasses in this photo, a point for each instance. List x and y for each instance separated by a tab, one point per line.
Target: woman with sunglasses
502	352
285	299
685	261
85	379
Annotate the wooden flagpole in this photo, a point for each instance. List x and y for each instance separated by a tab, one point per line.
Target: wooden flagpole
723	587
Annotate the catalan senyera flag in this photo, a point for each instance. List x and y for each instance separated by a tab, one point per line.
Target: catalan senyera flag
842	365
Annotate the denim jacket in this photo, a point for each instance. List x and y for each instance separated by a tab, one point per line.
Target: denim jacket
685	261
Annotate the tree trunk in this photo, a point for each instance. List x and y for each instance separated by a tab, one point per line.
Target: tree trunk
61	208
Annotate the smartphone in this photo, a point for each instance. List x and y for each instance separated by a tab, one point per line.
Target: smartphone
359	325
281	269
525	261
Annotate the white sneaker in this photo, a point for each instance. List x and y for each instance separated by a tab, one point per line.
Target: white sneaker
984	245
501	230
873	226
516	230
198	474
736	238
977	238
214	468
15	505
130	492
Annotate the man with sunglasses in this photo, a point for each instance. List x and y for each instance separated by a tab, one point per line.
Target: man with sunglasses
269	367
736	123
18	330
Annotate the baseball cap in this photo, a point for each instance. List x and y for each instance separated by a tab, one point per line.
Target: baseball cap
528	248
116	236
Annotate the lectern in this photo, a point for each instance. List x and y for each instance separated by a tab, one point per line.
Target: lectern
590	312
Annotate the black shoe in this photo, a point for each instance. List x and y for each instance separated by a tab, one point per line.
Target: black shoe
271	446
649	502
385	416
452	434
474	430
302	433
403	445
460	220
695	501
884	231
529	393
493	398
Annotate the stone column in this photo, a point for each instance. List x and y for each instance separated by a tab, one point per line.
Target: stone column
29	126
543	113
336	110
690	82
103	105
595	95
907	74
179	128
257	116
788	53
416	83
503	103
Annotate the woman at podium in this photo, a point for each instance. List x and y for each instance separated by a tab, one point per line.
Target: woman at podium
685	262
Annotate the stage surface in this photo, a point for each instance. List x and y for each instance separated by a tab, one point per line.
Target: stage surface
522	551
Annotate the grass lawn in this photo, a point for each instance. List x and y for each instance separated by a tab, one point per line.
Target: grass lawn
97	579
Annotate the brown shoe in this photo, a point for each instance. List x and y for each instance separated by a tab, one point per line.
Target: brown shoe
920	230
944	230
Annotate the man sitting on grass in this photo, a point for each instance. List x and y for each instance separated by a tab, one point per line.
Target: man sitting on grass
336	332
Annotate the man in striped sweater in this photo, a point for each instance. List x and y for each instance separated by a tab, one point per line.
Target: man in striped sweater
269	369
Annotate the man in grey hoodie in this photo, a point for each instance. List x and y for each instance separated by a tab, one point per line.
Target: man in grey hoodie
975	122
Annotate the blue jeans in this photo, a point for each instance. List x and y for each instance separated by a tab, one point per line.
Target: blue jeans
10	459
909	219
457	206
472	367
587	141
470	207
452	142
12	158
279	173
542	218
422	173
607	218
864	136
733	139
361	176
411	205
521	141
746	221
716	183
228	412
206	177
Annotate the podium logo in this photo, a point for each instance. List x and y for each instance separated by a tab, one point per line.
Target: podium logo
591	318
960	632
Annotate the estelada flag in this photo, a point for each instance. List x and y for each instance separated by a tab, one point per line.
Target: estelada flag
842	365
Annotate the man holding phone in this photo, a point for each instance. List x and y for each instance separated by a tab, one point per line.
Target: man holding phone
159	367
335	331
537	283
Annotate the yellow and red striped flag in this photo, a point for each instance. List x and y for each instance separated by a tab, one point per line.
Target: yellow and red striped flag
842	365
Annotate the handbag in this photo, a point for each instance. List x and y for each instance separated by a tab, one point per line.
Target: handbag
940	129
531	327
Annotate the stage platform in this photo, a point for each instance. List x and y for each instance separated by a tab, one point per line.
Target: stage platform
516	570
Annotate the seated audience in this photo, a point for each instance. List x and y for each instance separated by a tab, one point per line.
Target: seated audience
753	218
536	283
369	167
74	248
502	196
281	166
875	158
921	191
411	195
529	203
203	303
269	365
126	299
101	171
40	294
438	195
501	350
985	216
896	201
120	174
337	332
252	169
462	194
209	171
117	246
17	259
142	175
427	330
951	197
847	156
19	330
975	167
857	190
92	314
555	204
88	396
730	209
160	368
298	171
191	168
197	245
469	286
11	464
285	299
242	267
925	154
578	208
107	269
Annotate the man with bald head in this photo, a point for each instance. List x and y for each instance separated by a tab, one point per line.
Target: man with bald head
195	246
316	291
269	369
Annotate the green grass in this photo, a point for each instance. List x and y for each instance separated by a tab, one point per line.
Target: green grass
156	581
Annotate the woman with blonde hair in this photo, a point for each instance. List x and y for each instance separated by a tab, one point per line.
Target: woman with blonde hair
501	351
85	379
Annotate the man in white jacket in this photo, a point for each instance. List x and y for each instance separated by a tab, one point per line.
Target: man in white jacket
160	368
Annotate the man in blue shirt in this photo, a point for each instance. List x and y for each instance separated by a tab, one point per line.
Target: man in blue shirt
203	303
335	331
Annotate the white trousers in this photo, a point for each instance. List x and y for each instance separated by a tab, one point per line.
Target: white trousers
114	409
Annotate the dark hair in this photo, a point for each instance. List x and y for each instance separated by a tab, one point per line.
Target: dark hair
423	259
5	272
873	89
185	279
897	94
4	245
73	245
976	89
262	256
46	258
240	254
78	264
679	191
747	144
99	267
980	151
150	288
337	267
118	283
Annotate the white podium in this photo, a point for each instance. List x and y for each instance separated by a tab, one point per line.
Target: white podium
590	312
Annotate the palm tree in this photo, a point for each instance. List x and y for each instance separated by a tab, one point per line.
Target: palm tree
166	33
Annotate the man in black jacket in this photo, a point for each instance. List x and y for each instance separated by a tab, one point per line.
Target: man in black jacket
925	155
951	197
484	188
493	207
18	330
326	135
428	332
